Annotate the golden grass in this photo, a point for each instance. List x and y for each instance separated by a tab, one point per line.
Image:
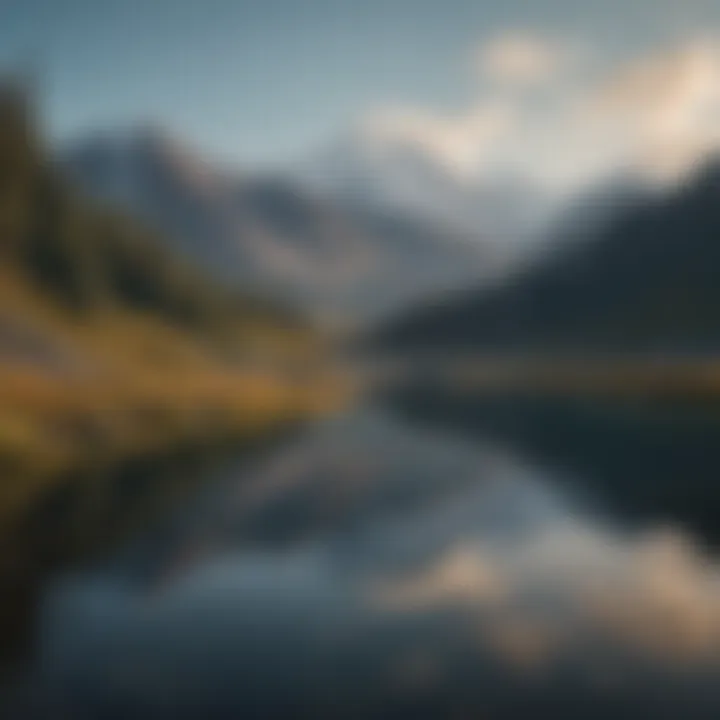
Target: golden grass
126	386
48	426
691	379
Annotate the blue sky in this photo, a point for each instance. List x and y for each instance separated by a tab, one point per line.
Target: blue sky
266	80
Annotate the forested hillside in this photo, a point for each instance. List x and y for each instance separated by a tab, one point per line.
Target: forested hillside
110	347
87	258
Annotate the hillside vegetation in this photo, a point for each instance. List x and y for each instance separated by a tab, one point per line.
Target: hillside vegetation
110	347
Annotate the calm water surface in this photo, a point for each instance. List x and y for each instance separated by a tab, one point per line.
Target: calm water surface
508	561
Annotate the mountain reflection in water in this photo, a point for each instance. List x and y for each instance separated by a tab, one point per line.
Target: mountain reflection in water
372	568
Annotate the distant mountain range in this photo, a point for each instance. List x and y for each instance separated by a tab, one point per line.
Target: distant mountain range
641	277
335	258
379	169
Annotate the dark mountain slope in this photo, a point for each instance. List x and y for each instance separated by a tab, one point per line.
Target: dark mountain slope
645	280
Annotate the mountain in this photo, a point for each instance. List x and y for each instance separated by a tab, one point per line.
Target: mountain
642	277
111	346
326	256
87	260
80	257
376	168
121	366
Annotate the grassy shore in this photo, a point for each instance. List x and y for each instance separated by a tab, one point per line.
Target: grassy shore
90	394
651	378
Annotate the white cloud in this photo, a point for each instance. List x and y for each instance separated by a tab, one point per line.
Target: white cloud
576	587
463	576
544	115
460	143
667	106
522	58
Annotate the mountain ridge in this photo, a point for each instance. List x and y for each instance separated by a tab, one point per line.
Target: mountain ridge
272	231
642	280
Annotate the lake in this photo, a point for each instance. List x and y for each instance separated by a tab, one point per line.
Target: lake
502	558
